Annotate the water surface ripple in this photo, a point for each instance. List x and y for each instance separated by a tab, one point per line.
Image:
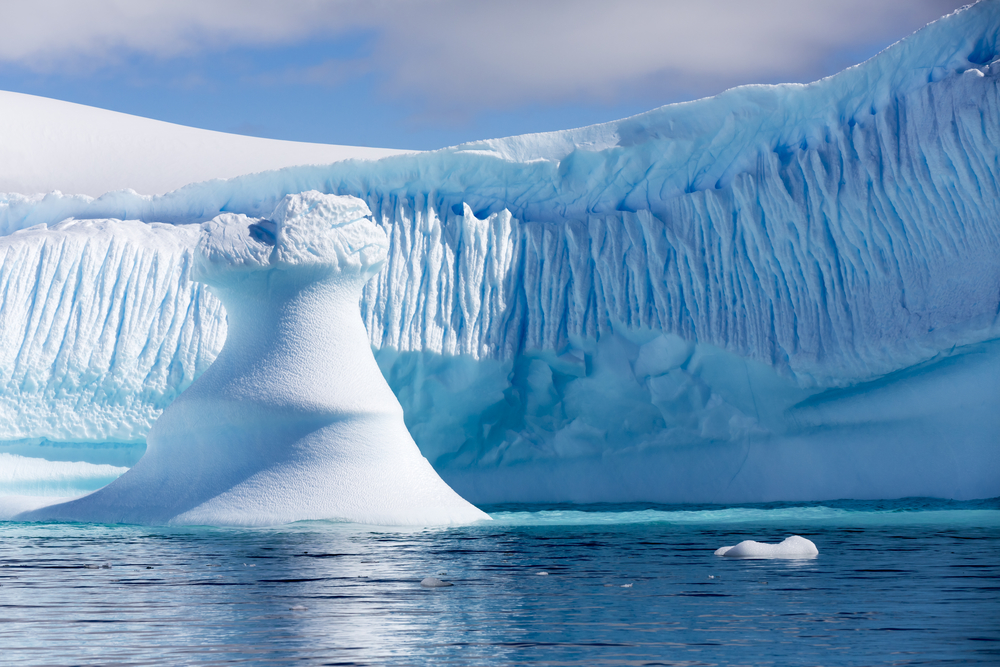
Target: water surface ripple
911	582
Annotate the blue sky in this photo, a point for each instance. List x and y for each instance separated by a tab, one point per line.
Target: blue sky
423	74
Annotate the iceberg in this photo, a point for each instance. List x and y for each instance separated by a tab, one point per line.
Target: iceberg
779	293
293	421
793	546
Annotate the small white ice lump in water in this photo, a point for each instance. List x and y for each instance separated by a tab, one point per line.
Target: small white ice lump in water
434	582
792	547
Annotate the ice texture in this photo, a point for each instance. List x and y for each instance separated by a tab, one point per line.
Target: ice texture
794	546
779	293
100	328
293	421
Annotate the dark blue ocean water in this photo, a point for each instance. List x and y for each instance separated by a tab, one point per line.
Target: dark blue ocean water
912	582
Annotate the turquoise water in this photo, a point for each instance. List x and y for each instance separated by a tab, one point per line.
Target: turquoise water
896	583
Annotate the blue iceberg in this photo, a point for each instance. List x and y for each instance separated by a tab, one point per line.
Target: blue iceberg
779	293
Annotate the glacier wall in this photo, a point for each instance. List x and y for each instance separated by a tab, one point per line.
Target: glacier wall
100	329
781	292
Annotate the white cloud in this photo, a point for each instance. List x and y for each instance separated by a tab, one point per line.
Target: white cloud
498	53
465	55
51	33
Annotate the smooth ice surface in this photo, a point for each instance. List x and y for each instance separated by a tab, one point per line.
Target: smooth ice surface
293	420
21	475
779	293
48	145
794	546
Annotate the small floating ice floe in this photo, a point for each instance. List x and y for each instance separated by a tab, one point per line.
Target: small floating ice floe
792	547
434	582
542	574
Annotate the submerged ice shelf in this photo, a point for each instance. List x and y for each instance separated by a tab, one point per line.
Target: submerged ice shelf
782	292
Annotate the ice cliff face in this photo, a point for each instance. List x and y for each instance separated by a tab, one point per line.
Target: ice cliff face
780	292
101	329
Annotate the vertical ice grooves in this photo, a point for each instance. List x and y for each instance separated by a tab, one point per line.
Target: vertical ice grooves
844	260
92	344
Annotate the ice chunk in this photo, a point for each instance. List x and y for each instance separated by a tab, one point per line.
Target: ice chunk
793	546
434	582
293	421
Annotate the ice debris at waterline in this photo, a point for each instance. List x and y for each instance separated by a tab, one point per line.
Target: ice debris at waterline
293	420
782	292
794	546
434	582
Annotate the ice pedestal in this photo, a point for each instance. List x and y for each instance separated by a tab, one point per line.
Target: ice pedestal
293	421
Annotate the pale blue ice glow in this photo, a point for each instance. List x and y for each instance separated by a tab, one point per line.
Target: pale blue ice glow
818	515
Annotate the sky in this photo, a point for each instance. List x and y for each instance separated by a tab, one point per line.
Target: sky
423	74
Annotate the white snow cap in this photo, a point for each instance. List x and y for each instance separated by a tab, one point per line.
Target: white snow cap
794	546
307	229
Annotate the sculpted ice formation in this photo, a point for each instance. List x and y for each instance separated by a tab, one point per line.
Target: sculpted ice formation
293	420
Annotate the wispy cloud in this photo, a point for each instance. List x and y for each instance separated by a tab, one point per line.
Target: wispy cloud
47	35
459	56
510	52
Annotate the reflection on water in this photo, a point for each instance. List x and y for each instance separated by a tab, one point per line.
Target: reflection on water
902	583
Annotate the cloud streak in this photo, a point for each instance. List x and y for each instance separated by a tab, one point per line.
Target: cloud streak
454	56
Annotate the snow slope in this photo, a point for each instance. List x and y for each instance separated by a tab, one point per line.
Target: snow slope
48	145
782	292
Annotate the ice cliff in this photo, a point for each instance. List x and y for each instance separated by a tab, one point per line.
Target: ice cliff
781	292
